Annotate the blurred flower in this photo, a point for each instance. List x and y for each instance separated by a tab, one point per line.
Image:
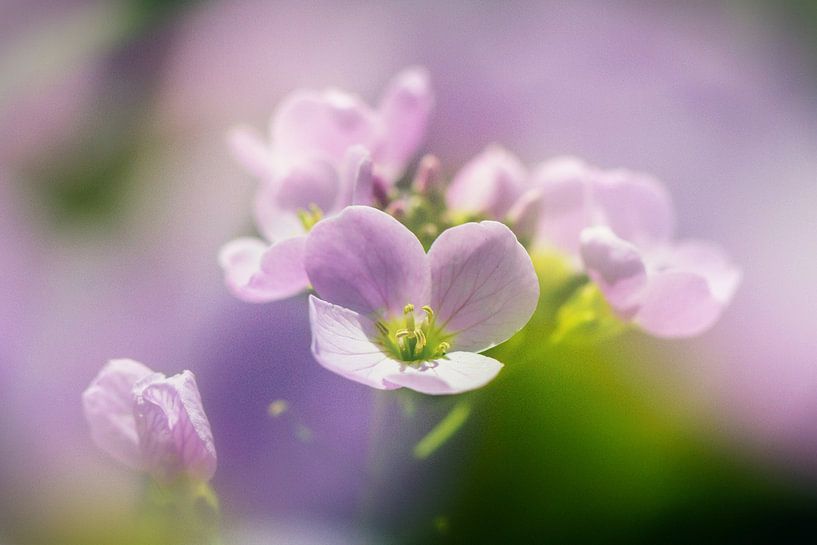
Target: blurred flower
476	286
318	161
676	290
256	271
150	422
324	125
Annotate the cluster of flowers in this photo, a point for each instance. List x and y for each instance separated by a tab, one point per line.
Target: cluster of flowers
413	277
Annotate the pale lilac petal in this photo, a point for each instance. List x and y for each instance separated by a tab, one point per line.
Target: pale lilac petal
356	180
108	405
325	124
616	266
457	372
484	286
273	221
404	112
690	284
341	343
524	216
708	260
302	186
365	260
250	150
489	184
677	304
173	429
240	259
566	210
258	273
635	206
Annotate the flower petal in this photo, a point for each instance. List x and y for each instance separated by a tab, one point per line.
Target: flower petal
323	124
708	260
272	221
250	150
488	184
457	372
301	187
173	429
566	210
635	206
341	343
484	286
258	273
616	266
404	111
365	260
677	304
108	405
690	285
356	181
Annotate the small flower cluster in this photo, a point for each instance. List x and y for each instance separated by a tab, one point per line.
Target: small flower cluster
412	278
389	314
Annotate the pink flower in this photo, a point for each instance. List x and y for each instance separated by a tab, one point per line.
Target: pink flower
326	150
150	422
259	271
672	290
392	316
619	224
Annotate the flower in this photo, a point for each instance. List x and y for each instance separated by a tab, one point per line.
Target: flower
391	316
575	196
489	184
258	271
150	422
672	290
327	151
616	224
619	226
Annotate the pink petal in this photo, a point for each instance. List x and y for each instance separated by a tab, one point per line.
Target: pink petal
356	179
677	304
524	216
489	184
404	113
108	406
258	273
325	124
689	287
708	260
302	186
457	372
365	260
250	150
273	221
616	266
565	185
635	206
173	429
341	343
484	287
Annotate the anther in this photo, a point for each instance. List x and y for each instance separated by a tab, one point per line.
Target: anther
443	348
408	310
429	314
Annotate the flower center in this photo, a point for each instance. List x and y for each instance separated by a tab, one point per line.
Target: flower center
408	339
309	217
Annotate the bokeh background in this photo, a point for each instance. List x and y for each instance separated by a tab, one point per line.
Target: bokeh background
116	191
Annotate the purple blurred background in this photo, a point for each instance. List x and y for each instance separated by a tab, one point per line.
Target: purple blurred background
717	100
